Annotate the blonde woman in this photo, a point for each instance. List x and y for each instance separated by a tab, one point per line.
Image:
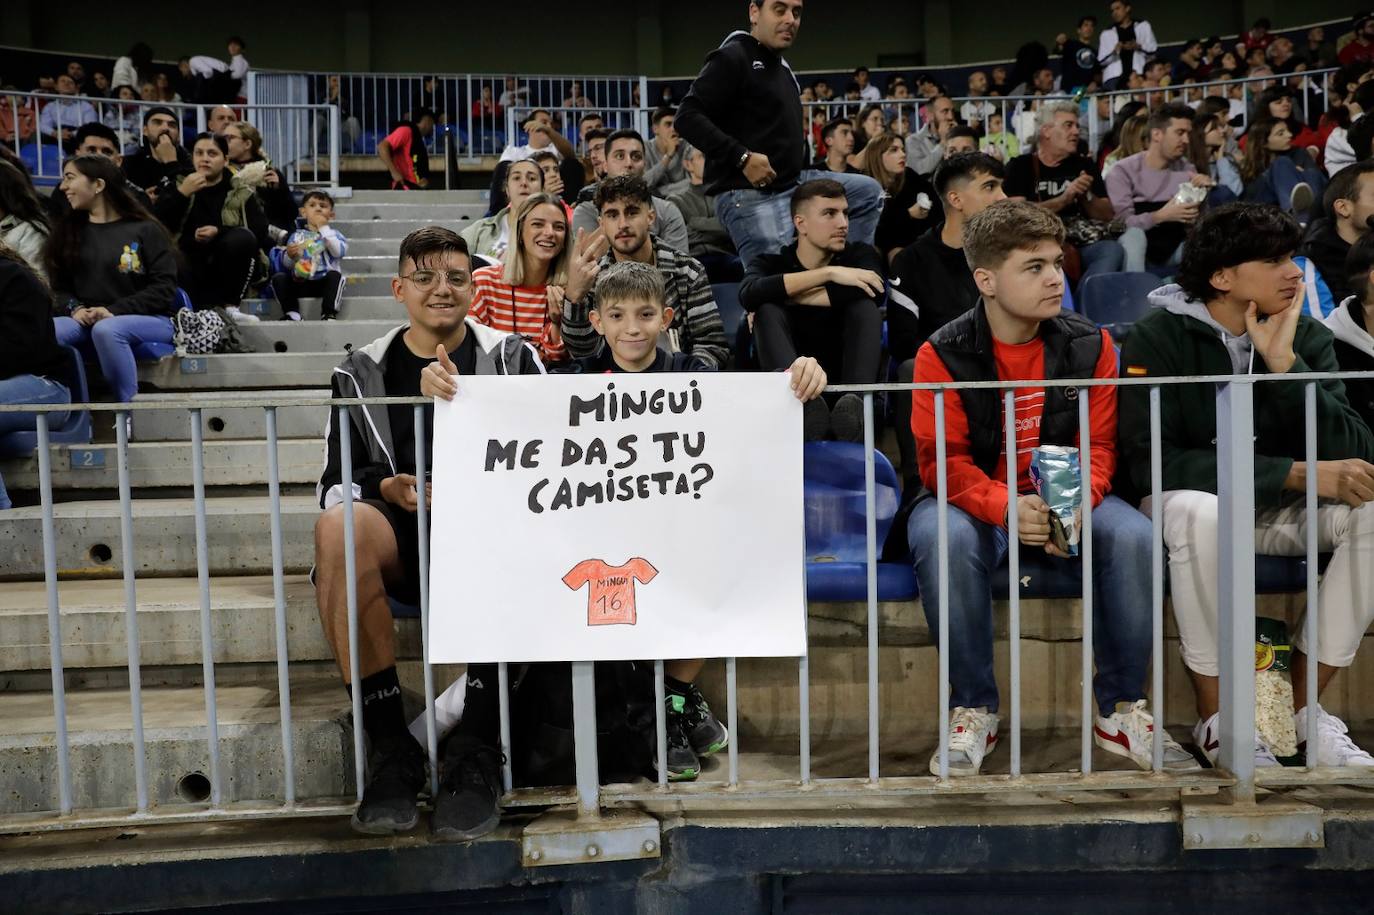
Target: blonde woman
515	296
909	207
1135	136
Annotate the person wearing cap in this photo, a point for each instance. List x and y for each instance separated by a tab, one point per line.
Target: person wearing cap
160	157
1362	47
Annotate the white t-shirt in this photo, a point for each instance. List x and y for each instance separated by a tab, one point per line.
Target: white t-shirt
516	153
870	93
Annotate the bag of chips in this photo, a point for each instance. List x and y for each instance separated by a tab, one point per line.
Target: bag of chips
1056	476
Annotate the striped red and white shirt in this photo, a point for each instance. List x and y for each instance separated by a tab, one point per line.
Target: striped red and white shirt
522	310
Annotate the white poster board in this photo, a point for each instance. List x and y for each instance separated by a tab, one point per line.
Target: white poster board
697	552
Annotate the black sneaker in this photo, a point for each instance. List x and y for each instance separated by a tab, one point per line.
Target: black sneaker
815	420
682	761
468	805
847	418
704	731
329	316
396	775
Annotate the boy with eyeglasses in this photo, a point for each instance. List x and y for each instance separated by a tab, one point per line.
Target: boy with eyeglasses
434	283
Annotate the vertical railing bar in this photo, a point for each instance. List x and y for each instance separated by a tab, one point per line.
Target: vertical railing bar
1085	555
732	716
59	690
942	596
422	522
126	536
503	689
661	724
207	646
288	753
1313	601
584	739
871	538
1157	705
1236	584
351	598
1013	574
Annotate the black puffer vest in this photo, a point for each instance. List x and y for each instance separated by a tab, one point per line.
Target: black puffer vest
1073	344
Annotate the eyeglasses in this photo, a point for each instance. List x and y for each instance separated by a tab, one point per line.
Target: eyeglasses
425	279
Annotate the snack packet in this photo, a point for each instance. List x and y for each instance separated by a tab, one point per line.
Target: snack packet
1190	194
1056	476
1273	691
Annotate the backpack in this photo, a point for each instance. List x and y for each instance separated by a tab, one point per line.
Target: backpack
197	333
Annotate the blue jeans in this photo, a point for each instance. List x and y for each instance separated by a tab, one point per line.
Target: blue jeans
1125	252
112	342
761	223
1276	184
29	389
1122	638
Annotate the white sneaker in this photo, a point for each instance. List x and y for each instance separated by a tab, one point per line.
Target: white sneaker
1206	734
1130	732
241	317
1334	747
972	736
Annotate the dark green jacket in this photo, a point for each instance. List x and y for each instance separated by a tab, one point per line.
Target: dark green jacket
1165	344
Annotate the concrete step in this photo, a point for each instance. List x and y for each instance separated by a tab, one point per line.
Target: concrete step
376	247
93	616
396	229
237	371
367	284
231	423
279	336
100	727
425	212
427	196
227	462
357	304
238	531
372	263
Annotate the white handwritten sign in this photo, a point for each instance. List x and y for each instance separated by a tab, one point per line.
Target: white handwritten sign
616	517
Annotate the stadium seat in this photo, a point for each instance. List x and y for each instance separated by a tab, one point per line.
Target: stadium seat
76	430
1117	300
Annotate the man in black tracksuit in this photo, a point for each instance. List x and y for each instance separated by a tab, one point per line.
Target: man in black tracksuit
1349	207
744	113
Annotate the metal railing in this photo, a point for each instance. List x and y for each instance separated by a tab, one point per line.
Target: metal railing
302	139
1236	623
471	109
1096	124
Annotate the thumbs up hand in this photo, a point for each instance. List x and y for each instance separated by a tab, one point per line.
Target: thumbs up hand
437	378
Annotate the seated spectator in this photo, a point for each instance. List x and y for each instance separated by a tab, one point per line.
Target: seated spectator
663	155
1189	63
1019	330
818	296
125	120
1347	213
867	91
1279	103
147	91
1207	150
999	143
434	284
1277	172
869	125
113	272
160	158
542	134
1133	137
959	141
30	359
838	137
1142	186
94	139
490	236
1237	309
975	113
60	118
219	227
932	283
165	92
1350	323
133	67
311	260
1359	100
24	224
404	154
1056	177
594	164
1361	49
274	195
923	147
626	218
625	156
524	293
909	207
552	169
220	118
708	241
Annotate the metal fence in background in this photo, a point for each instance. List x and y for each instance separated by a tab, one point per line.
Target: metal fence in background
1235	403
300	138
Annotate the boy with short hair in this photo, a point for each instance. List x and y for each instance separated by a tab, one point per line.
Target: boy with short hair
1019	330
998	142
1350	322
310	263
1237	310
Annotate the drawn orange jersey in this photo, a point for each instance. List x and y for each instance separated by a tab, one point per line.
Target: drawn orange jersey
611	599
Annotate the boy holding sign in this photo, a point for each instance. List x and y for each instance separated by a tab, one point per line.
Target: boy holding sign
1019	330
434	283
629	312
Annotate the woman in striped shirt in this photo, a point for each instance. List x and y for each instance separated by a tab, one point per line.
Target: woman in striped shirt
520	295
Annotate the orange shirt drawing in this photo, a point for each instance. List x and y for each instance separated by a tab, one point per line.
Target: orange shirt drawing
612	596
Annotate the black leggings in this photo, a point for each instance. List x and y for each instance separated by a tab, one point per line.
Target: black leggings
901	421
222	268
845	339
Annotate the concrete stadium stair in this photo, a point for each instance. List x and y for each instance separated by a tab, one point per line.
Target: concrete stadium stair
233	423
353	307
226	462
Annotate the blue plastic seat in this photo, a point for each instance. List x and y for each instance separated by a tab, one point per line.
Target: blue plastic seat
1117	300
77	428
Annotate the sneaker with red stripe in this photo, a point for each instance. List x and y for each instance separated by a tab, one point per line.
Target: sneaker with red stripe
1130	732
972	736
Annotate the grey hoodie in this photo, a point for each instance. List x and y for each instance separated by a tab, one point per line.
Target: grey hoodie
1347	331
1172	298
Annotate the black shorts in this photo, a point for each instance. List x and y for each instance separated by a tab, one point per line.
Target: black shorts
406	526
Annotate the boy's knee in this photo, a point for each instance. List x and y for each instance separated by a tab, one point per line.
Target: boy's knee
964	533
